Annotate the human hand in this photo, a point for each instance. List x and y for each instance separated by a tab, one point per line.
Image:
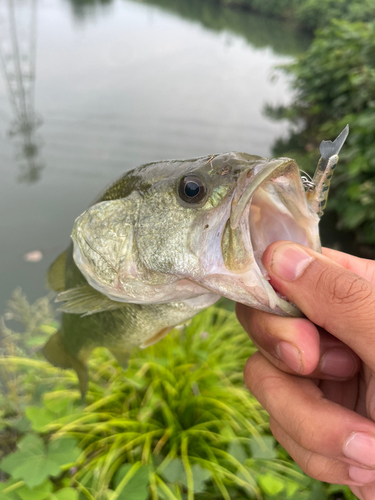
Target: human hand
325	421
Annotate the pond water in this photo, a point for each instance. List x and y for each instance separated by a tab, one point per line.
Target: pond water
89	90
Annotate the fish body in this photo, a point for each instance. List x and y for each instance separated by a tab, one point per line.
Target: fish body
167	240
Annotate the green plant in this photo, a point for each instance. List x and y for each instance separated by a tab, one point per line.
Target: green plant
335	85
179	424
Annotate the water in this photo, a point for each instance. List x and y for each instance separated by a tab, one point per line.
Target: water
118	84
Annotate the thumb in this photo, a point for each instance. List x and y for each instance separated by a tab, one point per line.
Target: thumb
330	295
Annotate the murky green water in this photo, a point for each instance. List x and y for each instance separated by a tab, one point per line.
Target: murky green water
117	84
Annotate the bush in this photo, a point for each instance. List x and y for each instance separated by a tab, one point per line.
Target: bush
335	85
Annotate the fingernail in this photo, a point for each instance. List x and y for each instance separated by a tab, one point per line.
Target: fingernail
361	475
290	355
337	362
361	448
289	261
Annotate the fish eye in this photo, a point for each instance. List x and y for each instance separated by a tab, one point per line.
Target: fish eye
192	189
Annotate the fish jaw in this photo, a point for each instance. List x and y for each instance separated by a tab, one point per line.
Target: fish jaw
272	207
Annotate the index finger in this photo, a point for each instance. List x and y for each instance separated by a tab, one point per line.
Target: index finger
331	296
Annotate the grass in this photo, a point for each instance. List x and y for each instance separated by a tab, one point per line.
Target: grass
179	424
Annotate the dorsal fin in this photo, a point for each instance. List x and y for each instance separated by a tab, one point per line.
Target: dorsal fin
85	300
56	273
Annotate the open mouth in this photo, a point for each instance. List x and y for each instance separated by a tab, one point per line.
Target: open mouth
274	207
279	211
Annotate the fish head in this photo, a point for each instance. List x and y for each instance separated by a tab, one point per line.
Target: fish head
185	229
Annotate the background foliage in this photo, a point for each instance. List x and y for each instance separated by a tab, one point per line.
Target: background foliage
179	424
335	85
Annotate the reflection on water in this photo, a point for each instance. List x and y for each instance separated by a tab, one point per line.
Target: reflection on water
17	58
83	9
257	30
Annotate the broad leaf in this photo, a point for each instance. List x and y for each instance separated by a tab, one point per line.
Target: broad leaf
200	476
174	471
237	451
63	451
270	484
39	417
65	494
263	448
137	487
40	492
34	463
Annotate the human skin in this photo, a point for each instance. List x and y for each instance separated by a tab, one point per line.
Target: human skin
315	375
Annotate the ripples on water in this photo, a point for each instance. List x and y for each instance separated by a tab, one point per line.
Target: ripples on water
119	84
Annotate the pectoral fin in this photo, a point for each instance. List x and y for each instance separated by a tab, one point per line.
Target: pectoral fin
155	338
85	300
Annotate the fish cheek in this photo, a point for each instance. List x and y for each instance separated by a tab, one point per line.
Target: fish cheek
163	237
236	256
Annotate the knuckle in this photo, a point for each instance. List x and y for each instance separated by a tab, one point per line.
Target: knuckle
345	289
315	467
304	433
263	384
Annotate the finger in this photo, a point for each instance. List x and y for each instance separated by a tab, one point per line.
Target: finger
319	466
366	492
313	422
331	296
363	267
295	345
344	393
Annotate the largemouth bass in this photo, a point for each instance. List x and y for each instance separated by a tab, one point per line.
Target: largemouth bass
167	240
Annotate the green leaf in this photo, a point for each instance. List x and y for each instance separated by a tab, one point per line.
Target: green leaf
65	494
57	404
38	493
200	476
174	471
39	417
137	486
263	448
33	462
22	425
31	450
237	451
291	488
63	451
270	484
12	495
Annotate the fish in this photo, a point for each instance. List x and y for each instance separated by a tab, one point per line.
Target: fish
167	240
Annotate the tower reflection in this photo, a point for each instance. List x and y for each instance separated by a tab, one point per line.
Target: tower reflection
17	62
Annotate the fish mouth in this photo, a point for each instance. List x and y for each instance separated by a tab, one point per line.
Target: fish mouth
272	207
